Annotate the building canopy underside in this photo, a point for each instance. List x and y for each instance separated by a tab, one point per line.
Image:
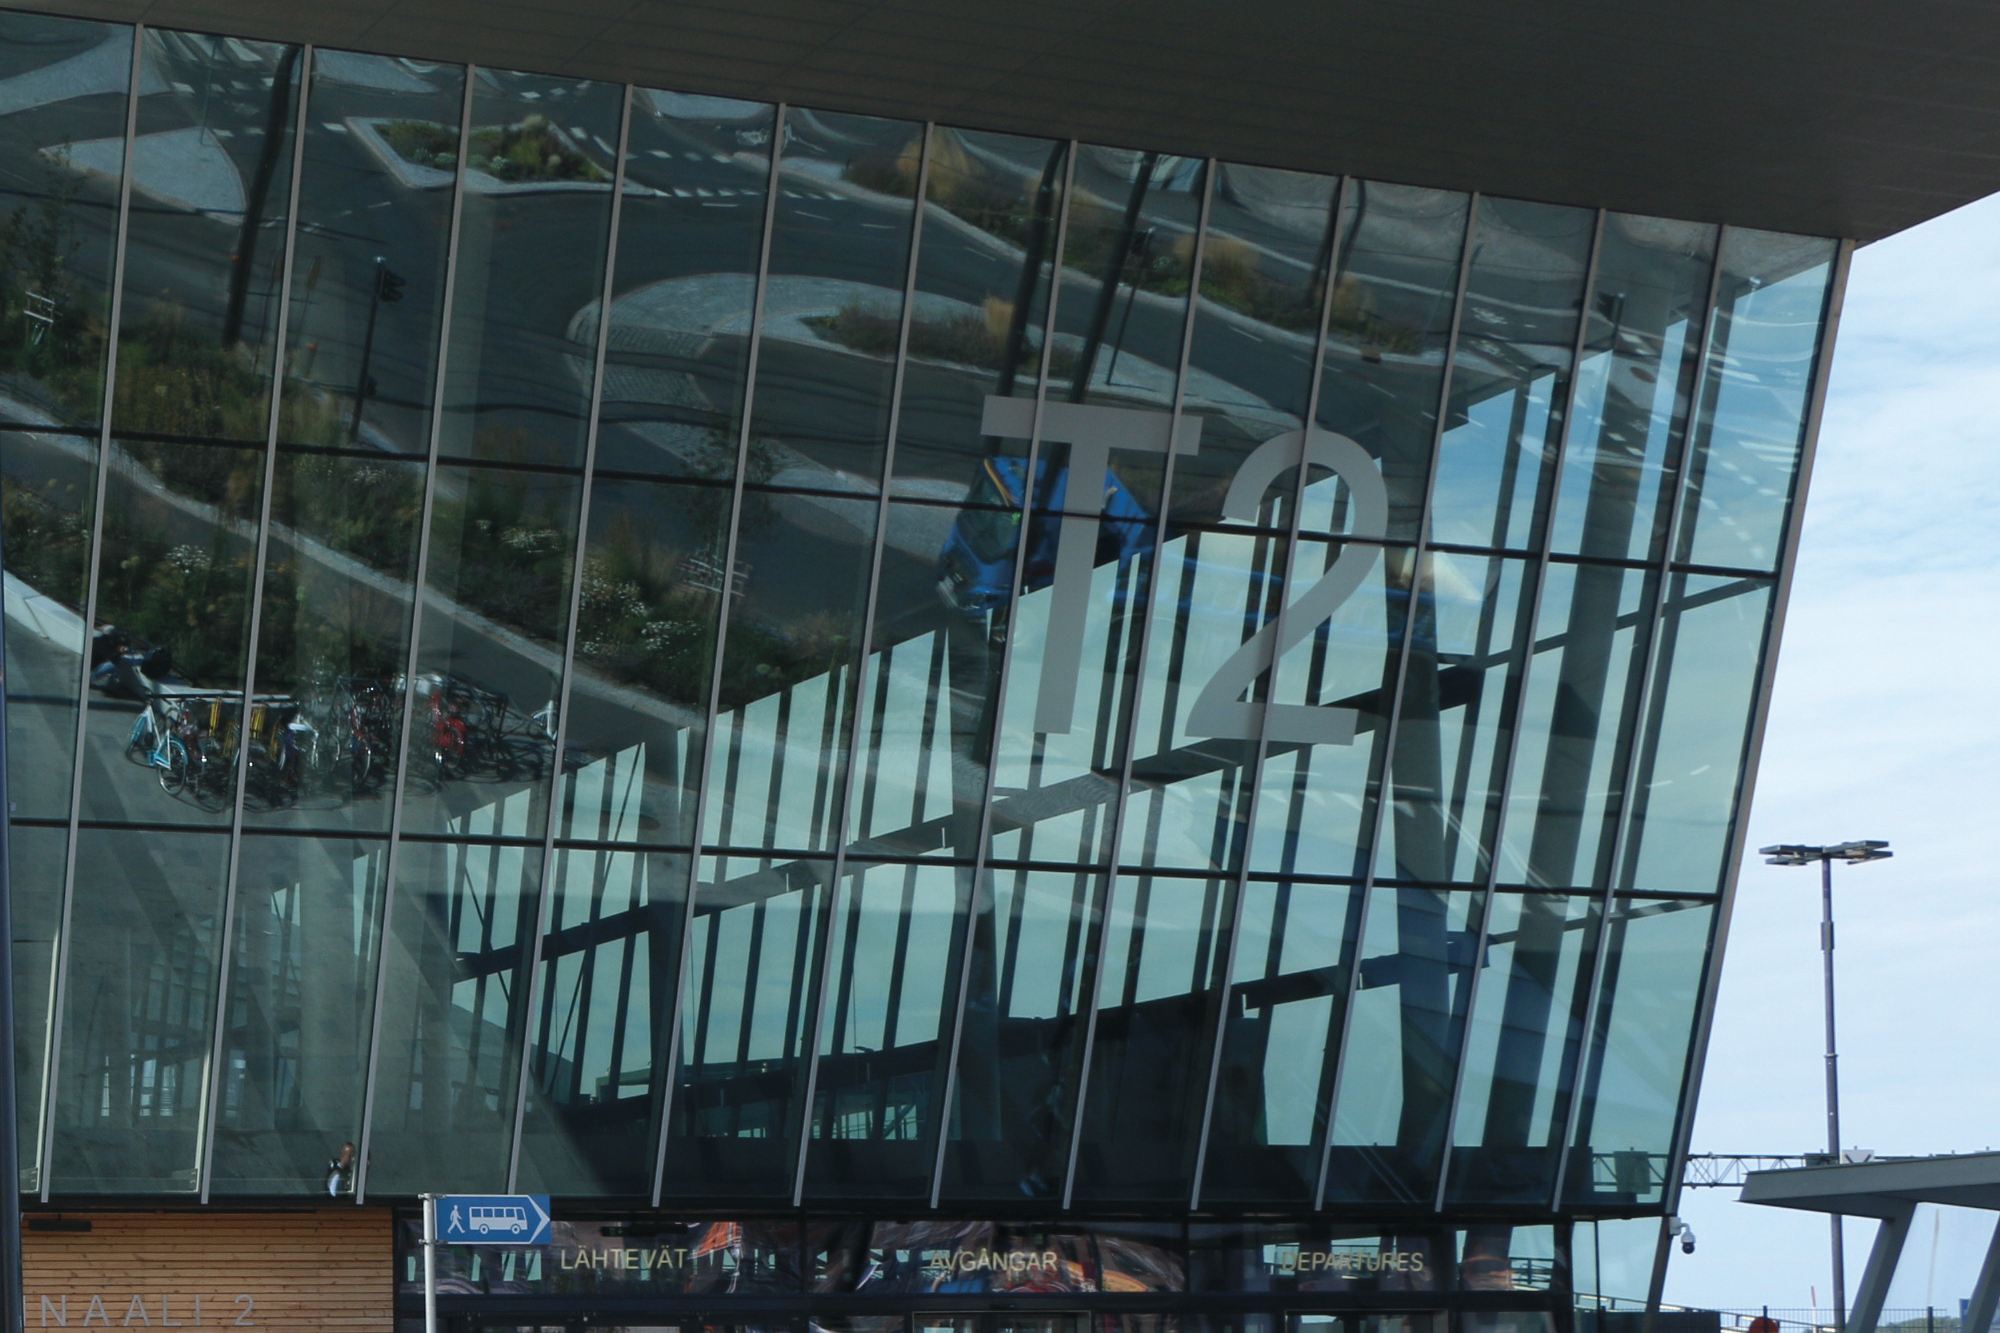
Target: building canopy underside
1847	120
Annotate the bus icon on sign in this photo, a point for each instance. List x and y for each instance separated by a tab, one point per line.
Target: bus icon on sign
492	1219
509	1218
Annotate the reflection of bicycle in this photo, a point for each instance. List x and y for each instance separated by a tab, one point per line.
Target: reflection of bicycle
154	744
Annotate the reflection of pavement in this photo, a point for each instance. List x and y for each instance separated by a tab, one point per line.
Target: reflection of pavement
102	69
187	168
371	72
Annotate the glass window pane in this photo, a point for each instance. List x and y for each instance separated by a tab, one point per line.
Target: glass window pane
840	250
833	300
35	878
1033	941
929	690
1521	1050
173	606
1629	416
688	237
1316	801
1634	1076
1942	1256
62	148
1468	647
538	176
336	624
481	745
301	997
448	1057
1124	295
211	177
778	759
48	486
1158	995
1712	634
1510	373
977	326
1213	595
888	1010
138	1012
62	145
381	144
1763	348
645	652
1396	281
1578	715
1294	956
1391	1113
1262	286
599	1054
746	1015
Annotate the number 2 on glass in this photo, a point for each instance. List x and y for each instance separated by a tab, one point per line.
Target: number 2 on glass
1220	710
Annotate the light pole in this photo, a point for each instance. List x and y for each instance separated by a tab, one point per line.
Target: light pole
1854	853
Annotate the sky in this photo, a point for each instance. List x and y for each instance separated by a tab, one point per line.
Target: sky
1884	724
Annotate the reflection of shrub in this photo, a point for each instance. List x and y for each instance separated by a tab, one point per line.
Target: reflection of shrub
47	536
640	619
1231	276
512	562
192	600
422	142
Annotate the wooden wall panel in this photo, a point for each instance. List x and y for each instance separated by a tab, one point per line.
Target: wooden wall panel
313	1269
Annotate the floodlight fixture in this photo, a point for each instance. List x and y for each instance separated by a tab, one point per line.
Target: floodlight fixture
1854	854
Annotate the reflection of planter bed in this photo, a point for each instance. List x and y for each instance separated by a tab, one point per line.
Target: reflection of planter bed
418	176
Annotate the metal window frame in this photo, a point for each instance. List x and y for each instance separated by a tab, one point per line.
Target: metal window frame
844	782
1128	734
1250	793
978	871
671	1061
419	580
1760	715
1645	721
1660	566
114	320
530	983
211	1093
1392	728
1548	488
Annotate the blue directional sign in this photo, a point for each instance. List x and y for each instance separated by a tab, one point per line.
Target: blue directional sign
493	1219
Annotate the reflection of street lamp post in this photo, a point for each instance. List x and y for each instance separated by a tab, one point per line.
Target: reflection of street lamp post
1854	853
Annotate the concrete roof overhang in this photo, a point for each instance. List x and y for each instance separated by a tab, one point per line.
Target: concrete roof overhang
1845	118
1883	1188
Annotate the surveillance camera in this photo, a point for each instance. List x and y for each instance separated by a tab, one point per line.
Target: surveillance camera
1687	1239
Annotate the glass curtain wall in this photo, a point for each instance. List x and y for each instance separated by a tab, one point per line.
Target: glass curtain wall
649	646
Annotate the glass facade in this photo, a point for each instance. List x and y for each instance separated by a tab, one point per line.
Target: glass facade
695	653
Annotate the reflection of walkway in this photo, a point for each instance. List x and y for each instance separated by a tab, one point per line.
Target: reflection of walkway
663	317
187	168
102	69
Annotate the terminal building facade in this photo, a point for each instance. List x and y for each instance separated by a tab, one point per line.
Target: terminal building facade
914	720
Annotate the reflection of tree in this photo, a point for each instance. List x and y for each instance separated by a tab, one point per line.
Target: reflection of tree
49	332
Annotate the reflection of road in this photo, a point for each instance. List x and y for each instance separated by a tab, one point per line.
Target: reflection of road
533	274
